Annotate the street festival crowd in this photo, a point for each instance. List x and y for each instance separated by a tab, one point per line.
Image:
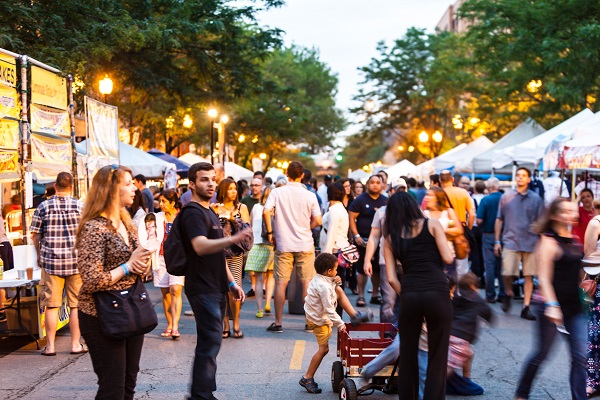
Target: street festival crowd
428	251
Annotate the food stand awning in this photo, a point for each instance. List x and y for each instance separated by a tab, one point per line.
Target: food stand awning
181	167
403	168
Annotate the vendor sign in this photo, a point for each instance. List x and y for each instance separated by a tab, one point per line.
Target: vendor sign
49	155
580	157
8	71
103	131
49	120
48	88
9	102
9	161
9	134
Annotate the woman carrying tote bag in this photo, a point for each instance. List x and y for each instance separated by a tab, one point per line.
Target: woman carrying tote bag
109	259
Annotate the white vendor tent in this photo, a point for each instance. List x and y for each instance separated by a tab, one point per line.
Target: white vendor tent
138	160
237	172
429	167
473	149
583	151
531	151
359	175
274	173
191	158
590	126
482	163
403	168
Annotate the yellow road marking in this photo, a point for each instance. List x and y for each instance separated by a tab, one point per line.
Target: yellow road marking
297	355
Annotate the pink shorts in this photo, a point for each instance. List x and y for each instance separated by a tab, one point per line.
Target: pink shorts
459	352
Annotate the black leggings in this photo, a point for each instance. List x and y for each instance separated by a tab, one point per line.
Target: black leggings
115	362
436	309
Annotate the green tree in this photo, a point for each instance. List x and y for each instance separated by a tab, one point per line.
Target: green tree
550	42
165	56
294	105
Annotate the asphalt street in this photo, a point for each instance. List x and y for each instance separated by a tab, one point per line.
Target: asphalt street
265	365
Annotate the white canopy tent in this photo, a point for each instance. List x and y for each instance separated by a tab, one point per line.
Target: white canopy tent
359	175
237	172
191	158
138	160
532	151
482	163
274	173
429	167
476	147
403	168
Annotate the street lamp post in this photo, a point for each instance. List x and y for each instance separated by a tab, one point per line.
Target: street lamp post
106	87
212	113
437	137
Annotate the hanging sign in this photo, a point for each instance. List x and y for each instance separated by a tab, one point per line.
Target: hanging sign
9	134
8	71
49	120
9	161
103	131
49	156
48	88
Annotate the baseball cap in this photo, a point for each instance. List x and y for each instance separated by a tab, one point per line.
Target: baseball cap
398	183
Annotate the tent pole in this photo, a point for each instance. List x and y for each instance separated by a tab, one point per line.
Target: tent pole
72	123
23	148
574	184
514	175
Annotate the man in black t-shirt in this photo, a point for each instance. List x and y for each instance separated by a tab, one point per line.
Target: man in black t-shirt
207	280
361	213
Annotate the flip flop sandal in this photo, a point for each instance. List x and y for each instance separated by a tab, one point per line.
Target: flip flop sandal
238	334
82	350
167	333
46	353
175	334
226	334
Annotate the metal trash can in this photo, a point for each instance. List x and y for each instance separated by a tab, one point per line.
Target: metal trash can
294	295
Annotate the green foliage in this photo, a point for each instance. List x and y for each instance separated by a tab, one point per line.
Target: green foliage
294	105
164	56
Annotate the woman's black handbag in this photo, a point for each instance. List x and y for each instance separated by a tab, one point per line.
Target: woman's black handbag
125	313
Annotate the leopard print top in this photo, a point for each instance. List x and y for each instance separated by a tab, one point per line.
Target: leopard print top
101	249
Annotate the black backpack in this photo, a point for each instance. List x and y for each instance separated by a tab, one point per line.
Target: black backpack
176	247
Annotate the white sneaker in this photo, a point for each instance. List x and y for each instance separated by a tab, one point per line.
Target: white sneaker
189	313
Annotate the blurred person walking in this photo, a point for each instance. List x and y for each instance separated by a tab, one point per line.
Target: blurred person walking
557	302
421	246
109	258
591	247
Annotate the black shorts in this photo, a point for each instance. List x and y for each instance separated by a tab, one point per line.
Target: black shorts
6	254
360	264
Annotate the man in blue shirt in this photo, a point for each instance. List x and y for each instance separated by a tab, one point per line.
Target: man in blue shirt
487	211
517	211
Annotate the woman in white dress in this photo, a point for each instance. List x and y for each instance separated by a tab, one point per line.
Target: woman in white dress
437	207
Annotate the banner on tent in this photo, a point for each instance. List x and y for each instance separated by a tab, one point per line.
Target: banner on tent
49	156
8	71
103	131
9	102
9	134
9	161
580	157
49	120
48	88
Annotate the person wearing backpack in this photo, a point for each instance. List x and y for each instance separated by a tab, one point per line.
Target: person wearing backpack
196	248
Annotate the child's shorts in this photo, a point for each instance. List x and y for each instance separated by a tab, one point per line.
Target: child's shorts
459	352
323	333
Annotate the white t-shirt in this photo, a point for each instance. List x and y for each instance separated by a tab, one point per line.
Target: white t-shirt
294	208
334	234
256	218
552	189
321	301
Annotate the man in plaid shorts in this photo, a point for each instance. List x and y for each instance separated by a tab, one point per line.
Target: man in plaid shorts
53	231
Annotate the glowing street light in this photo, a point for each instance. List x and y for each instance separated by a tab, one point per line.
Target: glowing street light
242	138
411	149
106	86
187	121
400	148
437	136
262	156
423	137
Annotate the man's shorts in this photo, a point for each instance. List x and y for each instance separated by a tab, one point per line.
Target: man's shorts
322	333
459	352
375	261
52	286
511	260
285	262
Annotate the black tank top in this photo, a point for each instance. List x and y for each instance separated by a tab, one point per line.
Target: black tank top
422	264
566	275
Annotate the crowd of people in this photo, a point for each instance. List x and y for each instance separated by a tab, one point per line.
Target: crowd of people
406	239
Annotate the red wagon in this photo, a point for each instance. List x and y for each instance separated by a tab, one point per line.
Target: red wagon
356	347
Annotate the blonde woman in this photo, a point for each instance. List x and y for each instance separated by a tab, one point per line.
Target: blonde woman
109	258
261	258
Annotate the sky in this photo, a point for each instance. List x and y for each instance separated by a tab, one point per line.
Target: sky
346	32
